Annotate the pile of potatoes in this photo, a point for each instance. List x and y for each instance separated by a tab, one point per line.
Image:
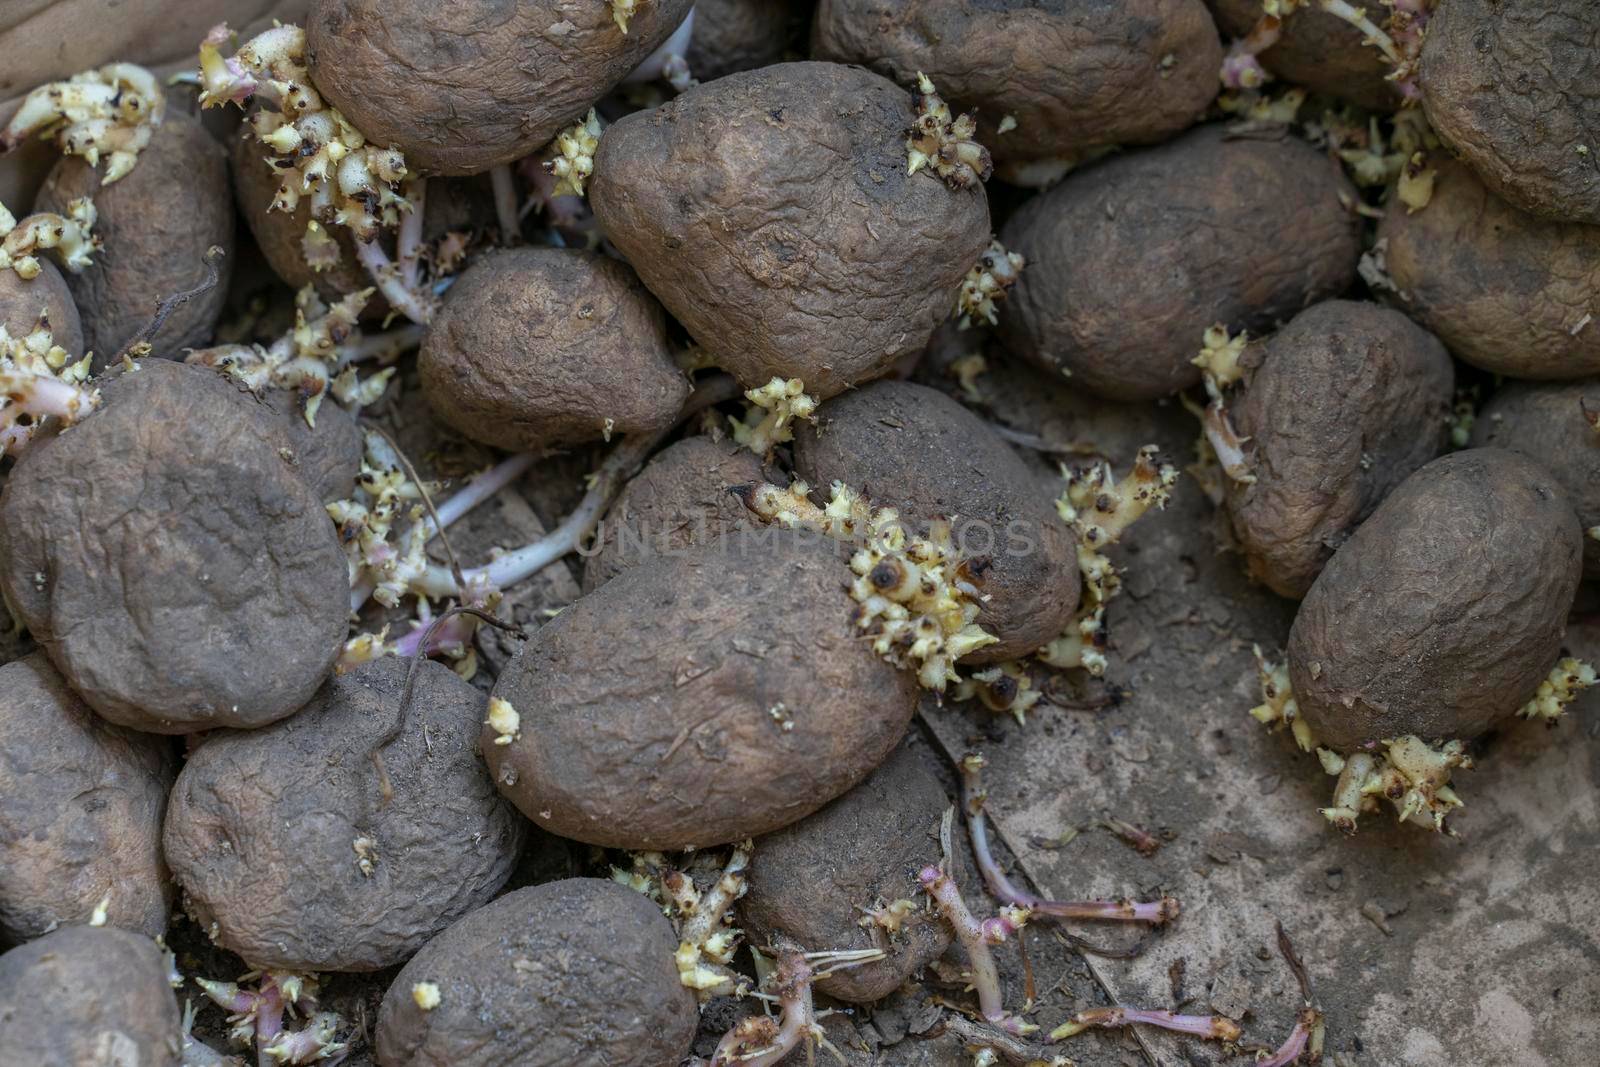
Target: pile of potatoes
238	717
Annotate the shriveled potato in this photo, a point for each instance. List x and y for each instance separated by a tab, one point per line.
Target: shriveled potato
22	301
681	498
772	213
80	811
734	35
1317	50
815	881
575	971
177	568
536	348
699	699
1131	260
1444	610
327	455
88	996
462	87
290	852
1506	291
1512	86
908	447
1072	77
155	224
1549	423
1346	401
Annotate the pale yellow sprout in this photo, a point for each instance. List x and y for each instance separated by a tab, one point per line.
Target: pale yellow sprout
1415	184
1005	687
111	111
1278	707
1219	358
504	721
778	403
1410	774
944	144
707	939
70	235
967	370
890	917
623	10
425	995
39	381
987	283
1566	680
574	159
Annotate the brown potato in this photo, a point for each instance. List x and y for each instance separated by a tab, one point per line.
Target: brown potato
1319	51
681	498
1344	403
328	455
155	225
80	811
1130	261
537	348
1444	610
700	699
21	302
463	87
1074	77
1511	85
88	996
910	448
269	828
1547	422
1505	291
734	35
772	213
178	570
572	972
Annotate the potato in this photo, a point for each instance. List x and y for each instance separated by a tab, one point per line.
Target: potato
88	996
576	971
1444	610
327	455
80	811
752	702
734	35
771	212
910	448
812	882
1319	51
1504	290
1547	422
1511	85
681	498
537	348
1074	77
1130	261
288	851
156	224
463	87
178	570
22	301
1348	399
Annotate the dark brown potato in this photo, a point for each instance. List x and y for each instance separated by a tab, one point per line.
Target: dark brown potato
812	881
1346	401
537	348
21	301
734	35
155	224
1504	290
681	498
268	828
772	214
572	972
1131	260
88	996
1319	51
910	448
1512	86
653	710
80	811
1547	422
327	455
178	570
1444	610
1075	76
462	87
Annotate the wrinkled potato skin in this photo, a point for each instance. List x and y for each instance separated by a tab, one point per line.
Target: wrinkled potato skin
1348	400
535	348
1319	51
1514	87
810	880
1444	610
88	996
794	246
910	448
191	578
462	87
155	225
646	706
21	301
1545	421
1504	290
1131	260
681	498
328	455
1076	74
80	811
734	35
601	988
262	825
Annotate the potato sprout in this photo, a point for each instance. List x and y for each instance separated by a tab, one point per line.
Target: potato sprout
987	284
504	720
759	1041
779	403
256	1016
39	381
623	10
1399	39
1219	358
707	939
426	995
1278	707
945	144
1567	679
69	234
1005	687
111	111
1412	775
574	160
